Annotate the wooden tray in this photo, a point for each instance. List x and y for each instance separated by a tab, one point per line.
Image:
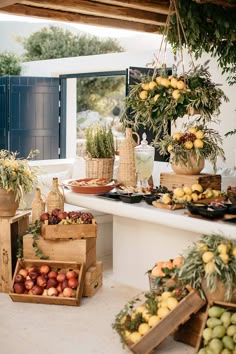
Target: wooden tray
172	207
54	300
74	232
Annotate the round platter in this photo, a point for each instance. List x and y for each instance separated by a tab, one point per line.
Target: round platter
90	185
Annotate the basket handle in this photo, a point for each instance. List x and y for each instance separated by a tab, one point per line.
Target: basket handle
138	137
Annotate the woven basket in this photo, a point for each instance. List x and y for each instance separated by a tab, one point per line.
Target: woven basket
100	168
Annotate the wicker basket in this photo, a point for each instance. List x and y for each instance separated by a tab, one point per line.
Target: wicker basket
100	168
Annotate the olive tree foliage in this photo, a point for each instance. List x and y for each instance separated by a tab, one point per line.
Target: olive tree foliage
10	64
54	42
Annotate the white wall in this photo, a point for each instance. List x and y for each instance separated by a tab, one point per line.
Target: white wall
121	61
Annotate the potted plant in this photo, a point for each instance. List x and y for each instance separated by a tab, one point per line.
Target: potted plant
100	151
189	149
160	99
16	178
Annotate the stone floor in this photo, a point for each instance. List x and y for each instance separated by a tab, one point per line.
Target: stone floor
51	329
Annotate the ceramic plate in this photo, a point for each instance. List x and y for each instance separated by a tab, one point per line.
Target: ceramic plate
90	185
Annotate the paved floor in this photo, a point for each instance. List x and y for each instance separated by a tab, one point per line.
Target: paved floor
52	329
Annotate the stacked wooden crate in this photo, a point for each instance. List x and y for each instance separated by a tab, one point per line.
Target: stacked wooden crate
74	243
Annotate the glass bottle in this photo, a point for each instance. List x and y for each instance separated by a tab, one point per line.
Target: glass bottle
144	161
55	198
38	206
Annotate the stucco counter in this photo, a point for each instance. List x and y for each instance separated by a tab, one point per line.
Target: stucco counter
143	235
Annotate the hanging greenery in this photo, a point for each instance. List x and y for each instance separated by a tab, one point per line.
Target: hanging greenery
208	28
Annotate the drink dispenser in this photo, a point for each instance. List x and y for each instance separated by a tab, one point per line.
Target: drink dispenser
144	160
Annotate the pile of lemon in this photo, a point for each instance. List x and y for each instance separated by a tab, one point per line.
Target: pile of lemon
189	194
166	302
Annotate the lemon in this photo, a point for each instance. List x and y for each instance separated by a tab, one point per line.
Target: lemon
165	82
187	198
180	85
216	193
197	187
176	94
158	80
169	148
192	130
234	252
207	256
172	302
140	309
153	320
173	82
127	334
145	86
162	312
143	329
222	248
152	84
146	315
199	134
143	95
202	247
198	144
224	257
165	295
166	199
210	267
179	192
155	98
187	190
135	337
188	145
177	136
194	197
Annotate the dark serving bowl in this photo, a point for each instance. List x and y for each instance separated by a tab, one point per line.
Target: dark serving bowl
213	213
231	209
149	198
195	208
131	198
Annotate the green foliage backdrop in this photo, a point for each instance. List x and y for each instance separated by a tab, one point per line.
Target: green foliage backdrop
10	64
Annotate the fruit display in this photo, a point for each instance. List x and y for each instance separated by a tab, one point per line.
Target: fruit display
219	334
60	217
211	261
231	193
46	281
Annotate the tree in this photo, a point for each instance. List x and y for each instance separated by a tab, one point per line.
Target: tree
10	64
54	42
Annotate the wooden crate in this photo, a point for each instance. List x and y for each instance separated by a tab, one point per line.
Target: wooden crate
171	207
227	305
172	180
190	332
74	232
10	229
93	280
81	251
169	324
55	300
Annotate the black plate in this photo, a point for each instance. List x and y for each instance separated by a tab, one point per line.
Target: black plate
111	196
149	198
196	208
131	198
211	213
231	209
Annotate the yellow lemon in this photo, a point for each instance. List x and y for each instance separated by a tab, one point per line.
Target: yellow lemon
180	85
207	256
216	193
224	257
194	197
234	252
187	190
155	98
192	130
176	94
162	312
199	134
135	337
153	320
198	144
172	302
210	267
177	136
146	315
140	309
143	95
169	148
187	198
197	187
152	84
143	329
178	192
145	86
165	82
166	199
173	82
202	247
127	334
188	145
165	295
222	248
158	80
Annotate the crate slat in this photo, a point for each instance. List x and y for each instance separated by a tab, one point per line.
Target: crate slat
172	180
74	232
93	280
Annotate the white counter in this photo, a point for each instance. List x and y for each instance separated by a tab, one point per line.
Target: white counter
143	235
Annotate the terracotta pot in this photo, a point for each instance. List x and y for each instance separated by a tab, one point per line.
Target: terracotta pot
195	169
218	294
8	204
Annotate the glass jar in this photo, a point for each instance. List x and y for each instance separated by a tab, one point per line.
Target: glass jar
144	161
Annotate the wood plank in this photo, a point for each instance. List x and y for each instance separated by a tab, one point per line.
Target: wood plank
98	9
74	232
78	18
5	3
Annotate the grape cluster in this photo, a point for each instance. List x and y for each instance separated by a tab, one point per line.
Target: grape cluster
58	216
187	137
86	218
